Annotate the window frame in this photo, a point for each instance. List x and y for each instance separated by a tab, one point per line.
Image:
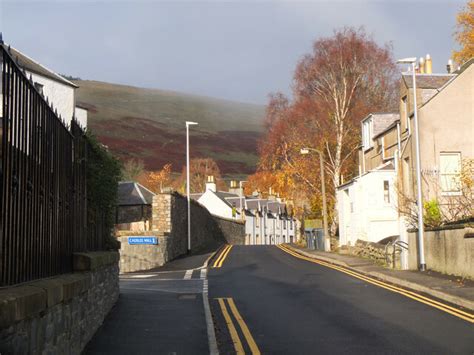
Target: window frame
458	174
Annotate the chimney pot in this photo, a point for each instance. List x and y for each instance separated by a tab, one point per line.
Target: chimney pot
422	65
428	64
450	66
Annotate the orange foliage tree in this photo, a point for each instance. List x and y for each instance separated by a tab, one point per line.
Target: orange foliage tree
159	179
465	34
347	76
199	169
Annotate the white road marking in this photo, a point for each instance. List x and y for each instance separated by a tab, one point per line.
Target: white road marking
139	276
203	273
188	275
211	335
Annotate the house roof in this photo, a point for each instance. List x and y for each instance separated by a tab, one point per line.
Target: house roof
132	193
195	196
31	65
457	74
427	81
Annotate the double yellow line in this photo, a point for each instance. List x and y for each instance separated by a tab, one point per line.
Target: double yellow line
239	349
410	294
222	256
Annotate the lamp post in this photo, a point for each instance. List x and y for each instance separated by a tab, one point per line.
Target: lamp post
241	182
188	123
421	250
327	240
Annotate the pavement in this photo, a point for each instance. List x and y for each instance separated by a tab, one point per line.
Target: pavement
450	289
160	311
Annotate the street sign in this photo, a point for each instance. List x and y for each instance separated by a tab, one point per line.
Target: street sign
142	240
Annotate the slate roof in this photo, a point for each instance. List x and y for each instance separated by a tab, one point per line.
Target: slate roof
381	121
132	193
427	81
31	65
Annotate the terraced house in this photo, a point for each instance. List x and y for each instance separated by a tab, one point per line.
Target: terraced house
380	202
266	219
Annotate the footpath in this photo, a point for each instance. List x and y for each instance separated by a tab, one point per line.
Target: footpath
159	311
450	289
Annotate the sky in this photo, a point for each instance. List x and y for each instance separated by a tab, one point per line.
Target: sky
236	50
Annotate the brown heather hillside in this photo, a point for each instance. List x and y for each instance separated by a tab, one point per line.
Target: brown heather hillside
149	124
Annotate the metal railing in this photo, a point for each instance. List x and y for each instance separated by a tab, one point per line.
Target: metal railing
43	195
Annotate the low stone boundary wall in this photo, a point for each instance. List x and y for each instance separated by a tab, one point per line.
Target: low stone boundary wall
59	315
169	226
449	251
142	257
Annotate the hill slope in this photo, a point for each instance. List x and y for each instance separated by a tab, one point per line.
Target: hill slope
149	124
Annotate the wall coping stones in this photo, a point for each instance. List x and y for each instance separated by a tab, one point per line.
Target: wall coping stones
93	260
17	303
151	233
228	219
29	299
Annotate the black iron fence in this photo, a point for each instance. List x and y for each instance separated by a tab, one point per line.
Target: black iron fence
43	183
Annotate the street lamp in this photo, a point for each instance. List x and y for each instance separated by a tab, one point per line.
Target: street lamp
421	247
241	182
327	240
188	123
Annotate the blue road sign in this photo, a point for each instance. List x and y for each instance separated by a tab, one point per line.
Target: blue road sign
142	240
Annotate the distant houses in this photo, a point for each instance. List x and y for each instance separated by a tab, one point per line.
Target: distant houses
375	205
267	220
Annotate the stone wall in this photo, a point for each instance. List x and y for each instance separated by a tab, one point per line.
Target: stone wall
59	315
233	231
449	251
142	257
169	226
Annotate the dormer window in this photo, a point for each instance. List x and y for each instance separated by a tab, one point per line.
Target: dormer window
367	131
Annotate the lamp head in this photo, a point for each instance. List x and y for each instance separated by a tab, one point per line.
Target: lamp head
304	151
409	60
190	123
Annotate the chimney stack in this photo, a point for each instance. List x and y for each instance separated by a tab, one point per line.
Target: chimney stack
234	188
428	65
422	65
210	184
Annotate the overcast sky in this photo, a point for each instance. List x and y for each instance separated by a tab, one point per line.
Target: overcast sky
239	50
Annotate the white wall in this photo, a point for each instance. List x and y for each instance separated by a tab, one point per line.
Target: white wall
371	218
81	116
61	95
215	205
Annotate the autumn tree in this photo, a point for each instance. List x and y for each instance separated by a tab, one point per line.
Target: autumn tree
156	180
199	169
464	34
132	169
345	77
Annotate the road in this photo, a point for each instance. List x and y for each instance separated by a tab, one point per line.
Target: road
265	300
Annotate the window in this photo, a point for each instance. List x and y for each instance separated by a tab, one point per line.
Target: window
450	172
367	134
386	191
291	224
39	87
284	224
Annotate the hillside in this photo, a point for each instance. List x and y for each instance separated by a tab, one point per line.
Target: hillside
149	124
